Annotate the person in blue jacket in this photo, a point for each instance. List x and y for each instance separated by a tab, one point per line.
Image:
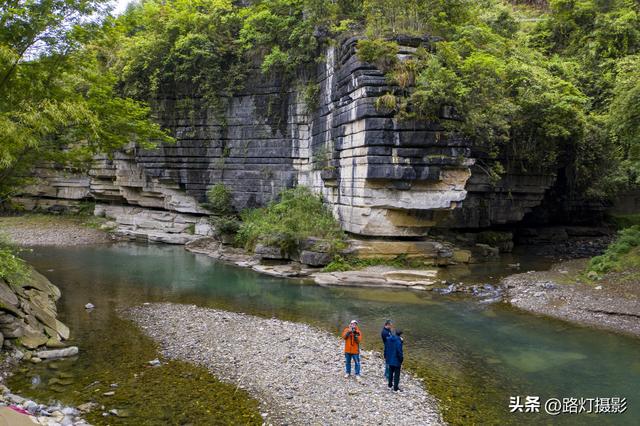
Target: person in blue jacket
384	334
394	356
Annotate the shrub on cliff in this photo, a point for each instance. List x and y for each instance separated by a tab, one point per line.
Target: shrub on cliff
299	214
224	218
623	253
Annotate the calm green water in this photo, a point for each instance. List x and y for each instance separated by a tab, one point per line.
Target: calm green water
473	357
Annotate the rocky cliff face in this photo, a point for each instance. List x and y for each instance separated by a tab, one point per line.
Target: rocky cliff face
382	176
28	312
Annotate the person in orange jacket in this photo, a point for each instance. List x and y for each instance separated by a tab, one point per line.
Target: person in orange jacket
352	337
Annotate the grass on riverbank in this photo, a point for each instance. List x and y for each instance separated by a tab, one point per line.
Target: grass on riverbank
622	221
621	255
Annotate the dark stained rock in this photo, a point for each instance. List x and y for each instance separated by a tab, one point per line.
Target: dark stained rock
269	252
314	258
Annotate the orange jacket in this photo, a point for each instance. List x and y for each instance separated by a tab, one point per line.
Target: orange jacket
351	343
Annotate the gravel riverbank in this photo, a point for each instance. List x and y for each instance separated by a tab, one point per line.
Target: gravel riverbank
612	303
293	369
48	230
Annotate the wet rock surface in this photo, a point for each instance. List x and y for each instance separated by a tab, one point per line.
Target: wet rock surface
295	370
379	276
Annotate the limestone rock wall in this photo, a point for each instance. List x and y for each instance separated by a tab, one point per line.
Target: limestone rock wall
251	148
383	177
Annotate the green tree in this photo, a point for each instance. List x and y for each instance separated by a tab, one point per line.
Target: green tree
57	98
623	118
180	48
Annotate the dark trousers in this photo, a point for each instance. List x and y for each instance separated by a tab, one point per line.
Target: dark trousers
394	376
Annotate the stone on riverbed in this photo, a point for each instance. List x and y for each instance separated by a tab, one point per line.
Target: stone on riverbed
54	343
32	338
283	271
416	279
28	310
412	277
88	406
58	353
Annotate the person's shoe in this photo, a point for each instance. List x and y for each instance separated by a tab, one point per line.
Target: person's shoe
346	376
358	378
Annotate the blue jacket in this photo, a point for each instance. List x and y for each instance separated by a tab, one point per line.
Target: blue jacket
385	333
393	351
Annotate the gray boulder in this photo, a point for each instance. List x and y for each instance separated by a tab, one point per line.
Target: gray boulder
314	258
269	252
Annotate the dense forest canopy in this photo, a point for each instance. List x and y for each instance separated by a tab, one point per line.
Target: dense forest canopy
554	84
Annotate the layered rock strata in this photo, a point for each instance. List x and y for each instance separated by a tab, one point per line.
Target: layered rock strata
28	315
382	176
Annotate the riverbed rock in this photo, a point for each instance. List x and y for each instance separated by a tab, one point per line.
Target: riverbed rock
314	258
287	270
33	338
7	295
411	275
378	276
58	353
6	318
63	330
269	252
88	406
14	329
429	252
28	310
54	343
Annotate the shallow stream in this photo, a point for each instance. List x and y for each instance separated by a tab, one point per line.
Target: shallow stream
473	356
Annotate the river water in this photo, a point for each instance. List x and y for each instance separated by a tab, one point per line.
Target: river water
473	357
